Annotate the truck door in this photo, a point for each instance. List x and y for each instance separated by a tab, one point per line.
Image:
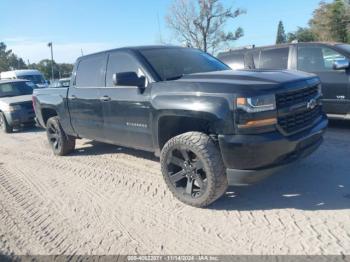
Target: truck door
126	109
84	97
319	59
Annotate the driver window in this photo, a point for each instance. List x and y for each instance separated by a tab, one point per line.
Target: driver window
317	58
121	62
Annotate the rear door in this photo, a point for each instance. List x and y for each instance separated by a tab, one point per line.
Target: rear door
126	109
319	59
84	97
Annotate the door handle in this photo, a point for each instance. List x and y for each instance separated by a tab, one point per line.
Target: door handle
73	97
105	98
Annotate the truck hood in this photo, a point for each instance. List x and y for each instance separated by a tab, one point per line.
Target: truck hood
15	99
248	77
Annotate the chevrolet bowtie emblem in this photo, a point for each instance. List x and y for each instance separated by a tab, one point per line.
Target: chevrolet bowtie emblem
311	104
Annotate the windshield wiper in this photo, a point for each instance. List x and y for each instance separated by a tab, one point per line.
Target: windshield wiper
174	77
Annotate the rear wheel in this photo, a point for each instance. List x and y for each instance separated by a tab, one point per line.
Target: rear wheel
4	126
60	142
193	169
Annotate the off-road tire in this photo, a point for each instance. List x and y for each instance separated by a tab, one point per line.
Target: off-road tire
4	126
61	143
205	150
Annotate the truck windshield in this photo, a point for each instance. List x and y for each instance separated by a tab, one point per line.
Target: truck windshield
173	63
36	79
16	89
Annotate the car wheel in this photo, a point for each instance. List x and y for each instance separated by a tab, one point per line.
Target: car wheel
60	142
193	169
4	126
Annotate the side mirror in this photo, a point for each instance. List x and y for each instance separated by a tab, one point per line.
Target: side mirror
128	79
341	64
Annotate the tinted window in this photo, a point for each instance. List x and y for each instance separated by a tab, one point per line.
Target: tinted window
234	60
172	63
118	63
251	59
90	72
16	89
317	58
274	58
36	79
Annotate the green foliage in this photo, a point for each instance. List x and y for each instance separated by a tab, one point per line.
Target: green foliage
281	34
339	21
8	60
331	21
303	34
60	70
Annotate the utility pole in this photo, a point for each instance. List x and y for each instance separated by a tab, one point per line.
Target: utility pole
159	30
52	75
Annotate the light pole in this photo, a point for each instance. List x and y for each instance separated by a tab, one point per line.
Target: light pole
50	45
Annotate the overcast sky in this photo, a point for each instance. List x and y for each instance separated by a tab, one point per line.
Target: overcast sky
90	26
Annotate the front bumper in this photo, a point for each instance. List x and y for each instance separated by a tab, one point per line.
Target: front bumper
250	158
20	117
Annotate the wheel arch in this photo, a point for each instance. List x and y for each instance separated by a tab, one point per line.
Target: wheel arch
169	124
47	113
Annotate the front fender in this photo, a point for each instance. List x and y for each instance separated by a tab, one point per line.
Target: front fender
216	110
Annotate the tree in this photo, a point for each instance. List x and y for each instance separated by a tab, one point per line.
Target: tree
65	69
201	23
303	34
331	21
8	60
59	70
281	34
339	21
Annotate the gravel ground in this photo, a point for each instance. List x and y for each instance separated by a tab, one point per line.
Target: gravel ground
104	199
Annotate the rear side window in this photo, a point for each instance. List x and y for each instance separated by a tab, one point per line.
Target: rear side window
234	60
251	59
118	63
317	58
91	72
274	58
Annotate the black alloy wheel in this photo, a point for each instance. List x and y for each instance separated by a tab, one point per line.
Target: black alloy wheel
193	169
186	172
60	142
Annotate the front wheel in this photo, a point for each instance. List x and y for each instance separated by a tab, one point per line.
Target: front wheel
60	142
193	169
4	126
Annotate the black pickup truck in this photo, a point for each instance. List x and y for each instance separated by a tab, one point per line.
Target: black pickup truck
211	126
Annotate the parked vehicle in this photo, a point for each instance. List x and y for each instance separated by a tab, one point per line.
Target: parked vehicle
211	126
32	75
63	82
16	106
330	61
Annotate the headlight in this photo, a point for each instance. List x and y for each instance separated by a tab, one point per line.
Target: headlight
256	104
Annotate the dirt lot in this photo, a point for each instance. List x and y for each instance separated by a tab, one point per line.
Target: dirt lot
109	200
